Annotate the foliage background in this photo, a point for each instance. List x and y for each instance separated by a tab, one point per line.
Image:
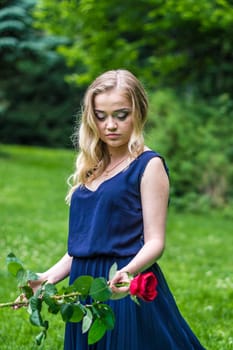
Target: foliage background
36	105
182	52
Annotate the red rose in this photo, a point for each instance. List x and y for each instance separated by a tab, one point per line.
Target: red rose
144	286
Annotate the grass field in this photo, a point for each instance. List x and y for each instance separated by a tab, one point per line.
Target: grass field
197	262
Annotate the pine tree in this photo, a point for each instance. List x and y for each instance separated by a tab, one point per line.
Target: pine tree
36	105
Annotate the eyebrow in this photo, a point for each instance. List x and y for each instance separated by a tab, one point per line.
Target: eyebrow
115	110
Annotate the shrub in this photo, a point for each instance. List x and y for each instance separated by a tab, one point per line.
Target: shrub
194	136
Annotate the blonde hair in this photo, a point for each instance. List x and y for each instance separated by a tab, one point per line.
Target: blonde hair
93	155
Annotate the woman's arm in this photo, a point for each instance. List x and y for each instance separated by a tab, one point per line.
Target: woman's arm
55	274
154	194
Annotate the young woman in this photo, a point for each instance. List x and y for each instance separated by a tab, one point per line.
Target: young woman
118	205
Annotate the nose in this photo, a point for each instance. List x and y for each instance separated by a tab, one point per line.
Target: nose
111	123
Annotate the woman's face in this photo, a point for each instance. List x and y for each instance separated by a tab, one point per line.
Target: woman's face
113	118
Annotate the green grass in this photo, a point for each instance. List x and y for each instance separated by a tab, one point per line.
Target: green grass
33	224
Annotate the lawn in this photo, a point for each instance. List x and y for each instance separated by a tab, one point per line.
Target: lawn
34	218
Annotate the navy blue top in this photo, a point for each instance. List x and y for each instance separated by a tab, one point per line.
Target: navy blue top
108	221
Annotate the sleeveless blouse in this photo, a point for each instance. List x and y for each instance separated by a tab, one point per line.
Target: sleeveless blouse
108	221
106	227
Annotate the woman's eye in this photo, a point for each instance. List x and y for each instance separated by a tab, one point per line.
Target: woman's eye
121	114
100	115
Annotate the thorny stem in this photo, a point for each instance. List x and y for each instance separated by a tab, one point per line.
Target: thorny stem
14	303
63	296
26	303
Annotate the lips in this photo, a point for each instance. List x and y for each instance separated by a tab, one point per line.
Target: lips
112	136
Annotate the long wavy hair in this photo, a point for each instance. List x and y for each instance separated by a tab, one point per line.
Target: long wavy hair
93	156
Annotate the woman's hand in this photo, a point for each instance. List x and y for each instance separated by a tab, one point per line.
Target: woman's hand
55	274
120	282
34	284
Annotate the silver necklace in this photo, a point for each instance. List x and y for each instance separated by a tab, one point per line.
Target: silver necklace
108	171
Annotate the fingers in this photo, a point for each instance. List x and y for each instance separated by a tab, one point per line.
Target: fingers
36	284
120	282
20	302
119	289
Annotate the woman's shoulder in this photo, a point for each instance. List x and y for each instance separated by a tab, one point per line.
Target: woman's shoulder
148	153
153	157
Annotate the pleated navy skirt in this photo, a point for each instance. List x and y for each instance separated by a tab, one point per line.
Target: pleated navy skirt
156	325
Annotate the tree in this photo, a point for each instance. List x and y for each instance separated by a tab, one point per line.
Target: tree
36	105
184	45
178	43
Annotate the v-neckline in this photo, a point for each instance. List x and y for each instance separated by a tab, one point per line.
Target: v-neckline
112	177
108	179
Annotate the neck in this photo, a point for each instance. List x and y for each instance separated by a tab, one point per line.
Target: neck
116	164
117	154
116	158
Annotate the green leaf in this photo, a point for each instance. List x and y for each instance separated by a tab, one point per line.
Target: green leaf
99	289
66	290
14	268
78	313
13	264
11	257
27	291
36	319
117	296
82	284
66	312
40	338
47	299
35	304
38	293
112	271
106	314
50	289
54	307
135	299
96	331
21	277
46	324
31	276
87	321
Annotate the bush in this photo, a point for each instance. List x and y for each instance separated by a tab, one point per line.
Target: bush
194	136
